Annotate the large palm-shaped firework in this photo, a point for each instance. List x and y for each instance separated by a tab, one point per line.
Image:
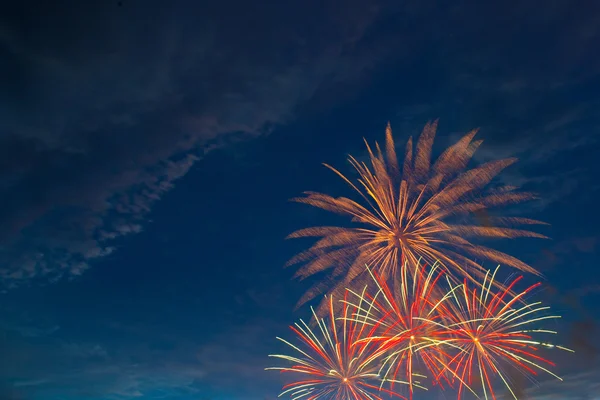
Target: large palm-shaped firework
412	212
330	363
493	333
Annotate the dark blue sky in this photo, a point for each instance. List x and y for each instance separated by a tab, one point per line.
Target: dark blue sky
148	150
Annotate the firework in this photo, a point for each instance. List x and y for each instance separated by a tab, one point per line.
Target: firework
330	364
493	335
418	211
406	329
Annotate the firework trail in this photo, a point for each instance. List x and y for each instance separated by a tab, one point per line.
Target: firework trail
415	211
493	336
330	363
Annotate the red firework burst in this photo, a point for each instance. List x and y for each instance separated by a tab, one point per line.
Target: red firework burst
405	319
331	363
492	334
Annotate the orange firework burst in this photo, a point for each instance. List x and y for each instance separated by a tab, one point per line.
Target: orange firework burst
405	215
406	325
332	364
493	335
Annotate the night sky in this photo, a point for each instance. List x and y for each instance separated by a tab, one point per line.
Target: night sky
149	149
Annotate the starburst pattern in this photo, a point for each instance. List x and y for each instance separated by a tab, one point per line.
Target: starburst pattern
405	321
331	364
493	334
418	211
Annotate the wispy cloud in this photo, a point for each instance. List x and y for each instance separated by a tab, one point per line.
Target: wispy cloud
568	251
118	381
94	138
528	103
580	386
35	382
151	362
55	369
234	363
25	325
85	350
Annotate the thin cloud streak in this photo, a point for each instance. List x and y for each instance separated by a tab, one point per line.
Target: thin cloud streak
84	162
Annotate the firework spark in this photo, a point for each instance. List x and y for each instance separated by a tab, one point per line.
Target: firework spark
493	334
406	212
406	329
332	365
